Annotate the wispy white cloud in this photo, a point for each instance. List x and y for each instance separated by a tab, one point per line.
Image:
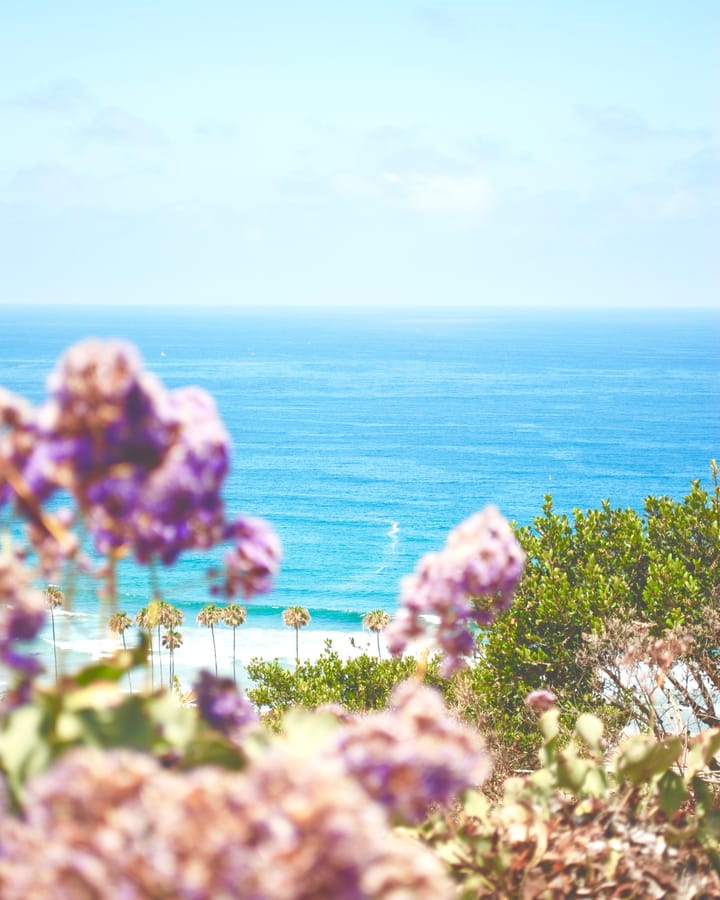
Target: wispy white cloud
64	96
116	125
485	148
623	124
44	185
688	187
439	20
217	131
438	193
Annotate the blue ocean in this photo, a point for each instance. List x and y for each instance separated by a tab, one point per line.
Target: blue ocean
364	437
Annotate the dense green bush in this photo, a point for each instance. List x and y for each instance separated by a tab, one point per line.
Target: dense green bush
358	684
594	585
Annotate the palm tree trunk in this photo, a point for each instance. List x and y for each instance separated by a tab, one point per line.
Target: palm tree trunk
152	662
377	634
297	651
234	672
52	619
159	656
122	635
212	632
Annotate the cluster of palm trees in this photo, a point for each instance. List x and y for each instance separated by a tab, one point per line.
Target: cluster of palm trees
298	617
161	615
232	615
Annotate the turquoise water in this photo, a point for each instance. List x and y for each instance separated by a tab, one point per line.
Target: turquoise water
365	438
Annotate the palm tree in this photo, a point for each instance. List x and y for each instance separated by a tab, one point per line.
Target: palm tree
173	616
146	620
119	624
376	621
161	613
234	615
165	616
296	617
54	597
172	640
209	616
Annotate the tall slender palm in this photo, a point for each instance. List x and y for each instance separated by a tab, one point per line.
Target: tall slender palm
144	619
172	640
119	624
234	615
208	617
296	617
54	597
161	612
376	621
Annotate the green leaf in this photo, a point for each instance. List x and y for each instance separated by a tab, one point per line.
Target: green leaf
174	723
125	725
596	784
549	724
590	729
672	791
642	758
572	771
213	750
114	667
23	749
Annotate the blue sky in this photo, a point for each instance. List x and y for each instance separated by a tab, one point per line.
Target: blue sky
380	154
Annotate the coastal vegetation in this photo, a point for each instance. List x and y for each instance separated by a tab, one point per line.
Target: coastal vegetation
558	736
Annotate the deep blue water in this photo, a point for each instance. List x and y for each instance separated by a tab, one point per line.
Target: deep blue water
345	424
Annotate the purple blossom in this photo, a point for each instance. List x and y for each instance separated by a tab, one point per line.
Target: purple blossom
223	706
22	614
470	581
104	411
253	561
414	754
21	474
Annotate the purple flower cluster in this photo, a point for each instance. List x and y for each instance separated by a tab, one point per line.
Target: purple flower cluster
253	561
289	827
470	580
145	465
223	706
22	614
414	754
23	478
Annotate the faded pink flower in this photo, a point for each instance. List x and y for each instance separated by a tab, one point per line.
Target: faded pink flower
540	700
